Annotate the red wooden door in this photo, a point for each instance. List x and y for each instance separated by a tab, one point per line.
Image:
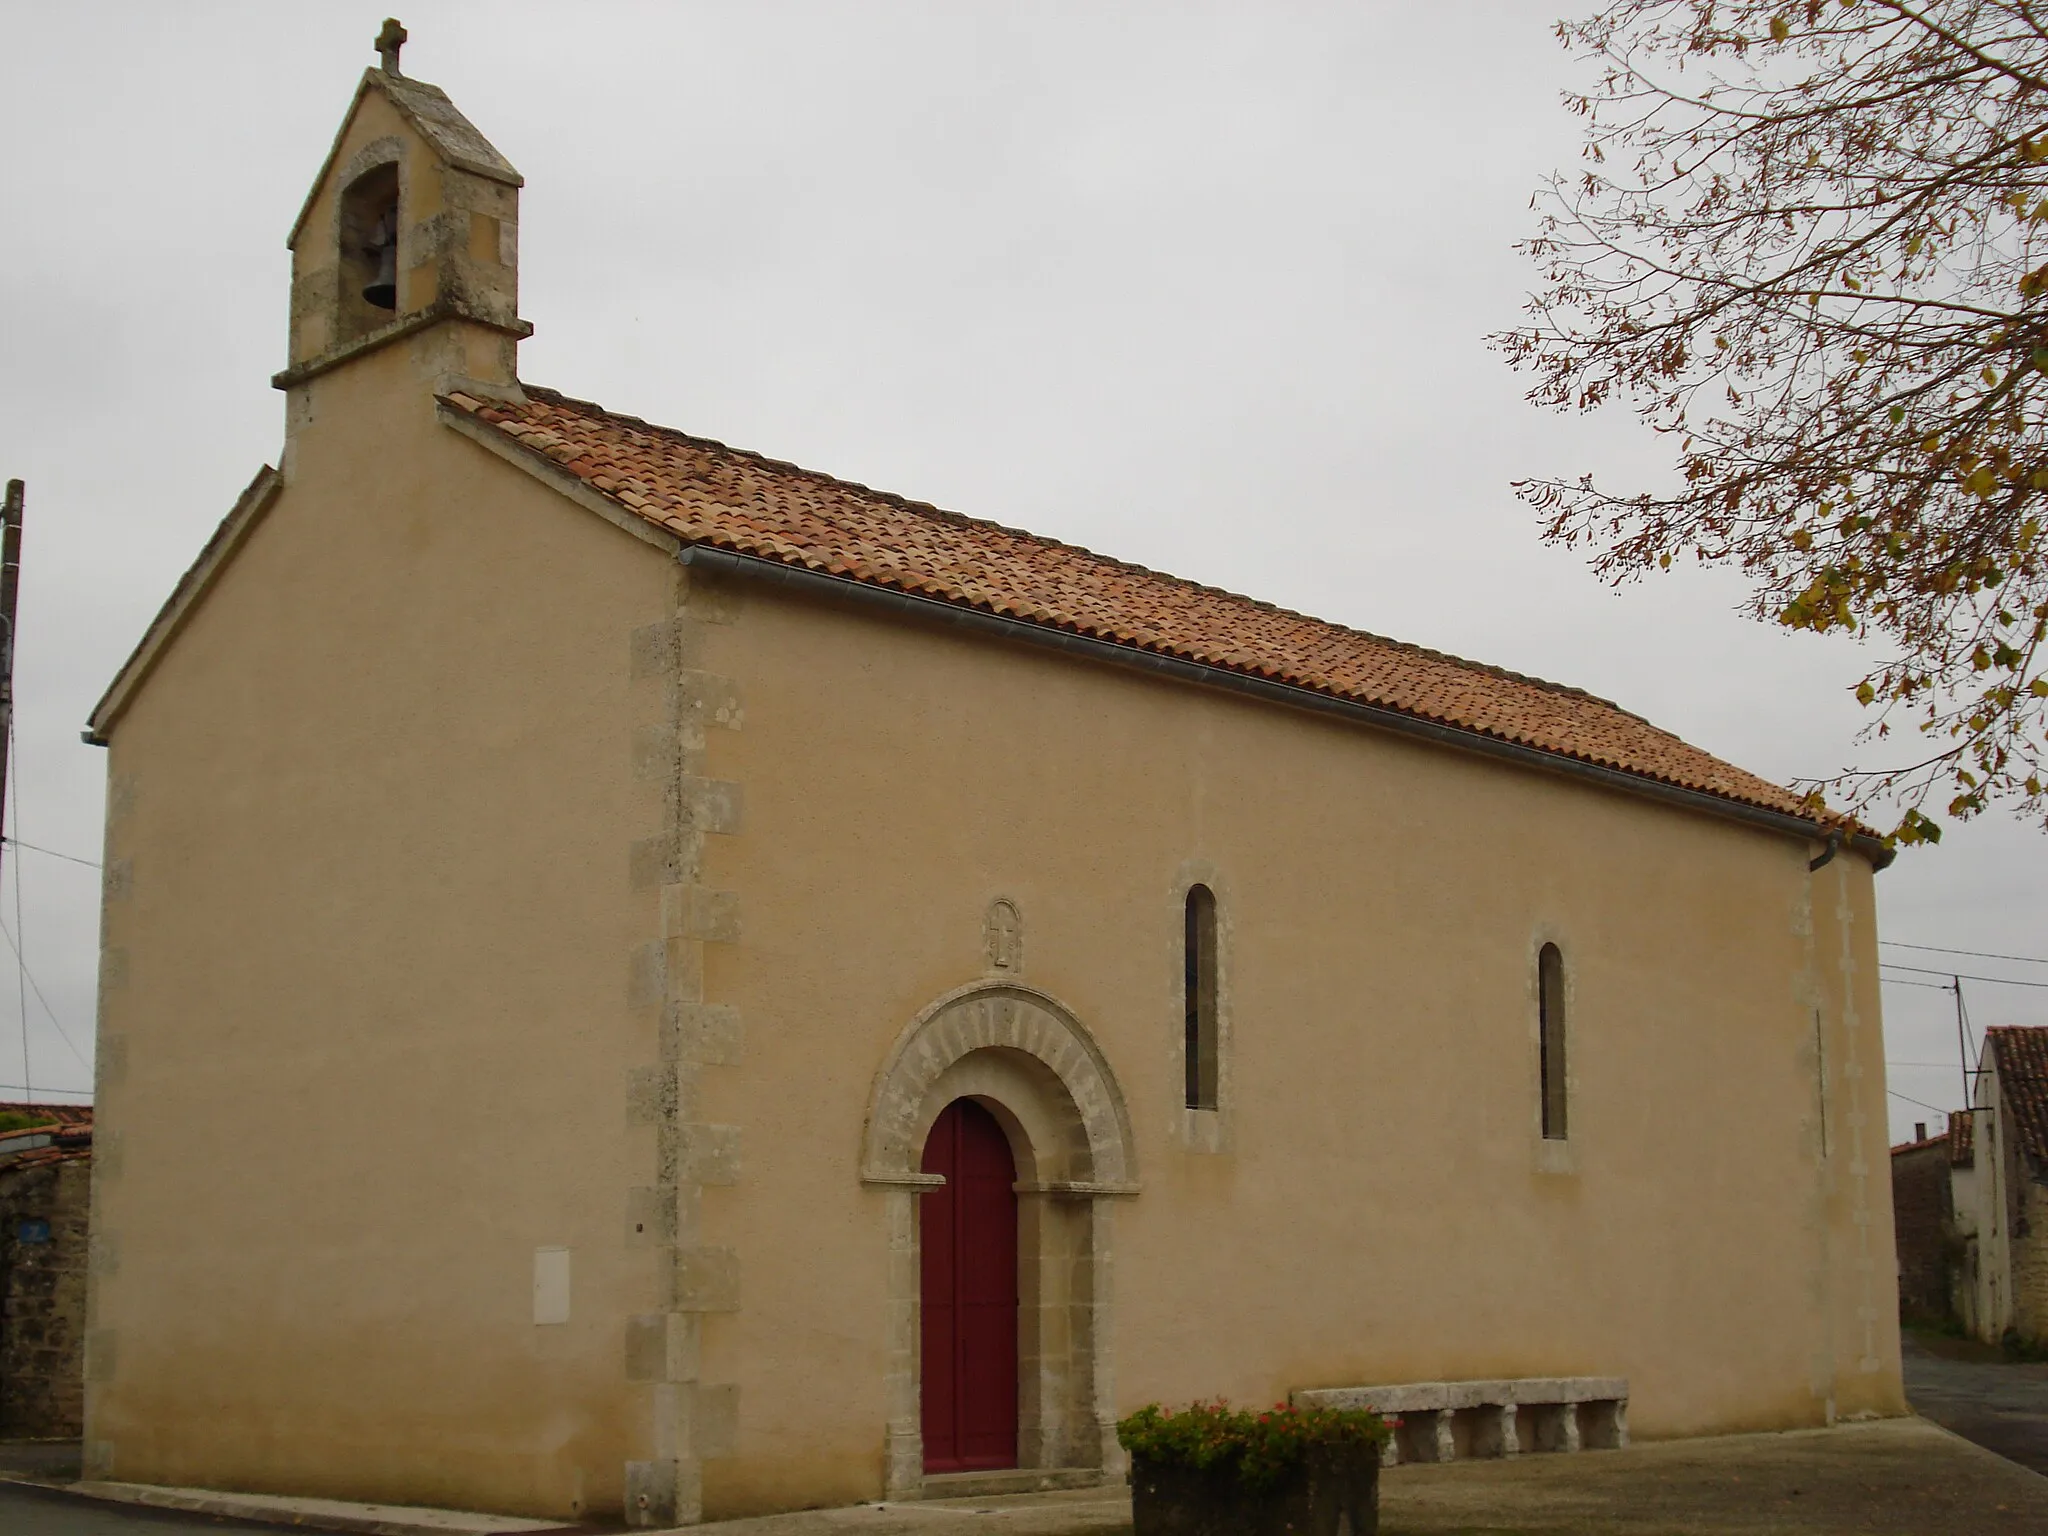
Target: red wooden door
968	1241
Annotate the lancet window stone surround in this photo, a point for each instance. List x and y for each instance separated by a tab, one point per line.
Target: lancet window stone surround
1199	1129
1024	1057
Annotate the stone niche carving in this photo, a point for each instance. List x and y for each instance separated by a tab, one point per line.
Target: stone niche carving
1003	937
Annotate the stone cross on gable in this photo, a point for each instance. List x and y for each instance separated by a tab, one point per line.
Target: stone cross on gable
389	41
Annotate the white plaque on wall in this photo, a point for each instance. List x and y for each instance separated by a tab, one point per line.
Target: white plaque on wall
550	1285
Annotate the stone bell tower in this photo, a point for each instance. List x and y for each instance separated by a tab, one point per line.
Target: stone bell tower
411	230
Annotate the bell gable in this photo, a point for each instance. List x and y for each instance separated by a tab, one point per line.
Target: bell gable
412	219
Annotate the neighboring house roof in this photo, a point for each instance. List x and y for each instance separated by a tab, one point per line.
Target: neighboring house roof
62	1114
704	492
1921	1145
1962	1138
63	1132
2020	1059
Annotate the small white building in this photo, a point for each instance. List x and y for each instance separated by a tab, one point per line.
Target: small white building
1998	1155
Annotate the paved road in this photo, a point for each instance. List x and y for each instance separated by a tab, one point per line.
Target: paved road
28	1511
1972	1389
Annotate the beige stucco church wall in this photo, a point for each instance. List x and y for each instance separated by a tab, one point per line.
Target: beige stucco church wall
1382	1208
363	1031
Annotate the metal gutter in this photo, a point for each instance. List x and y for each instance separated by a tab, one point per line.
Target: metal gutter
1203	674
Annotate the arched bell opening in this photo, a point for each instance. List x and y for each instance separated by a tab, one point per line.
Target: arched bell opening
367	262
1009	1061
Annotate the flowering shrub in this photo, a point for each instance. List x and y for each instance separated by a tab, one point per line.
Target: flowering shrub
1260	1447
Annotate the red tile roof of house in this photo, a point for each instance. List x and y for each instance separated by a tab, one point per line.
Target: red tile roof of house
2020	1056
705	492
61	1114
1962	1138
64	1129
1921	1145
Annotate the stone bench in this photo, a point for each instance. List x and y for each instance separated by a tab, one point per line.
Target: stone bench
1447	1420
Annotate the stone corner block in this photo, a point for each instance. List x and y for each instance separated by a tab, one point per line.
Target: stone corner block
711	1153
662	1347
707	1034
717	1420
707	1280
661	1494
712	805
651	1216
693	912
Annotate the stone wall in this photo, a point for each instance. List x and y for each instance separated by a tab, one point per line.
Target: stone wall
2029	1249
1922	1217
42	1298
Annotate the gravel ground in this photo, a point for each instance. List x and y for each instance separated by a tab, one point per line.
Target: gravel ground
1898	1477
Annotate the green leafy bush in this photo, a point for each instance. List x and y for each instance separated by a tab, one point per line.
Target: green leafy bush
17	1120
1259	1447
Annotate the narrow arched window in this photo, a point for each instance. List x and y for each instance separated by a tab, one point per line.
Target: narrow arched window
1199	959
1550	1005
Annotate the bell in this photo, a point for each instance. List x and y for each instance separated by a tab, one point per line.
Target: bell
382	290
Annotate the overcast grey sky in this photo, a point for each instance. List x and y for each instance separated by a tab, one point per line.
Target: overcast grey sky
1201	286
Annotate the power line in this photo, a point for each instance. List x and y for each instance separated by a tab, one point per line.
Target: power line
76	1093
1980	954
62	1034
1936	1108
69	858
1900	981
1999	981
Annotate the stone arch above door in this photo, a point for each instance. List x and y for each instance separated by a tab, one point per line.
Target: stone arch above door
1025	1058
1087	1149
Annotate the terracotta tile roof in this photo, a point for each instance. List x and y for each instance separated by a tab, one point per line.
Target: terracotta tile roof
65	1131
707	493
1921	1145
1962	1138
61	1114
2021	1058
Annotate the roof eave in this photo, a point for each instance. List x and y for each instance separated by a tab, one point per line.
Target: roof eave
1293	695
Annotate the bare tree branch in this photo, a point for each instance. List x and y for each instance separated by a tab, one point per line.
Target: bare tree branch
1810	243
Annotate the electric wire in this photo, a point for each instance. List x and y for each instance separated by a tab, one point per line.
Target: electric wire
1996	981
62	1033
1921	1102
1900	981
69	858
1980	954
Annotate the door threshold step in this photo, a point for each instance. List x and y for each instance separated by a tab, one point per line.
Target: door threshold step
988	1485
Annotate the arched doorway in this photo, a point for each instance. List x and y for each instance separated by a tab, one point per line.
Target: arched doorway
1032	1075
968	1293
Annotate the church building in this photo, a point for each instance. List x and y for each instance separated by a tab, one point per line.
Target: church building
643	981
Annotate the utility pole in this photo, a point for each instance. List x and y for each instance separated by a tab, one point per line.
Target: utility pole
10	586
1963	1045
